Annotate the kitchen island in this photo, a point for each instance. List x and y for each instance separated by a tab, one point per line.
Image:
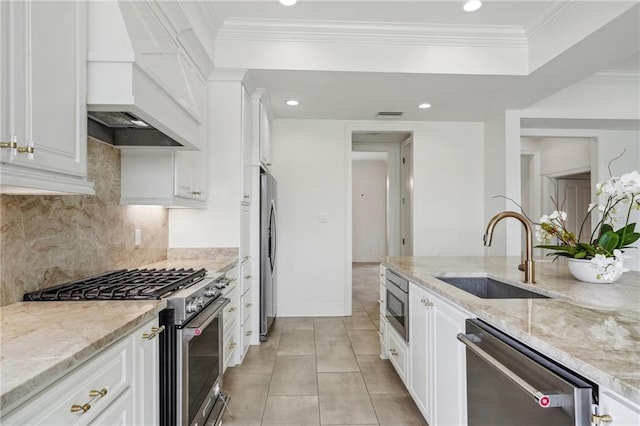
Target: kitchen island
593	329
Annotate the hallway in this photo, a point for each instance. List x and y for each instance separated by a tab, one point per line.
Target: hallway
322	371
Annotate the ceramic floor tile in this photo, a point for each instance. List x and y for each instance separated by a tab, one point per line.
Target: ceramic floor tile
294	375
257	360
397	410
248	396
297	343
365	341
330	331
342	409
297	324
350	384
358	321
291	410
380	376
335	357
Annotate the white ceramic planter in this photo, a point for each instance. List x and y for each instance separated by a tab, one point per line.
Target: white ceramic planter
585	271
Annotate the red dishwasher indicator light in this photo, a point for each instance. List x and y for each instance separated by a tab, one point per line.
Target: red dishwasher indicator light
197	332
545	401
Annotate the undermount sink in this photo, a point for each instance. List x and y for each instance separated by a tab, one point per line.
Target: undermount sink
488	288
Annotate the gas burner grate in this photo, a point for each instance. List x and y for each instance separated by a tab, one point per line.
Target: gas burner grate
125	284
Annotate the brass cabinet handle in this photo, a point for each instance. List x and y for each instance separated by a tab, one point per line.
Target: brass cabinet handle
248	305
380	301
246	196
232	309
154	332
196	193
605	418
232	345
75	408
393	352
248	277
248	333
98	393
11	145
94	395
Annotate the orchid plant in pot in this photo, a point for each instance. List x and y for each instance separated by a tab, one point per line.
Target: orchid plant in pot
601	255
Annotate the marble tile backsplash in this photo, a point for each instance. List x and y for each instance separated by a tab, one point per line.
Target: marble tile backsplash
47	240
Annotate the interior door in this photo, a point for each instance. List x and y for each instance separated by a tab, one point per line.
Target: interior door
406	200
575	195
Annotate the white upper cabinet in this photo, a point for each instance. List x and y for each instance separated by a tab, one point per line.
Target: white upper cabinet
247	141
262	128
161	177
43	90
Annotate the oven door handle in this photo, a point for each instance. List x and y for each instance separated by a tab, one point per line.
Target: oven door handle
196	326
544	399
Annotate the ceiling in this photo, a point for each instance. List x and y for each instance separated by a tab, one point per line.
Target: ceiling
331	92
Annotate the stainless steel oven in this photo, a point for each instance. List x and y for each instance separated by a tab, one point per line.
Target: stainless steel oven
397	312
191	358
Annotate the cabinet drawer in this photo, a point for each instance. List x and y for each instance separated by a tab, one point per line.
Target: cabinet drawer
120	413
398	352
247	305
382	300
247	333
246	274
229	344
383	272
110	371
230	313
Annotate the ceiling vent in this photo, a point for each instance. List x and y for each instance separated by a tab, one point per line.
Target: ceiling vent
389	114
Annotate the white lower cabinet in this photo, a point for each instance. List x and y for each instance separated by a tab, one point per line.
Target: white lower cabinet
246	303
230	319
102	391
622	411
437	363
398	353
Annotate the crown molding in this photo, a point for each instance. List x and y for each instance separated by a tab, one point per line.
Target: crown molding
557	14
614	78
351	32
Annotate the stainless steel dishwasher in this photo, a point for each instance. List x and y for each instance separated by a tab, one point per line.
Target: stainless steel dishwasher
510	384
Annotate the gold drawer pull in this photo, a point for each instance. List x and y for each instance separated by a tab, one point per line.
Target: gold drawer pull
248	277
393	352
11	145
232	345
98	393
154	332
380	301
248	333
75	408
605	418
231	309
248	305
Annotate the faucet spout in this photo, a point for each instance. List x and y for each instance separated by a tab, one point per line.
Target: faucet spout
528	266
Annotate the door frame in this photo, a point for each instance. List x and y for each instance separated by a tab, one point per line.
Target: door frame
394	170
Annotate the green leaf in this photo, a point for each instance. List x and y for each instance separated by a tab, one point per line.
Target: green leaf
580	255
629	239
591	251
626	229
605	228
570	249
609	241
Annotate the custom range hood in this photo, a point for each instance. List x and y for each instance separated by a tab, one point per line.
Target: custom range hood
145	84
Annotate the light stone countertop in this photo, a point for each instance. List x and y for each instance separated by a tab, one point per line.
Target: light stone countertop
593	329
42	341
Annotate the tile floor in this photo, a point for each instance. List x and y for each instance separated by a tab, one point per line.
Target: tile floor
322	371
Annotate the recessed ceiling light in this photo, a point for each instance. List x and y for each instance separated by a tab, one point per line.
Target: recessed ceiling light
288	2
424	106
472	5
292	102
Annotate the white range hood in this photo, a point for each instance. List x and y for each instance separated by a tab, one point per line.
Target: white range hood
138	64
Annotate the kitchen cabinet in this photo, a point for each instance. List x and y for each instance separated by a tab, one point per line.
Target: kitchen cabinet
163	177
383	308
245	231
230	323
622	411
262	128
119	385
246	303
398	352
43	93
248	166
437	366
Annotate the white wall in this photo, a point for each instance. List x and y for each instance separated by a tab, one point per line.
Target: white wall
219	224
369	211
613	96
311	161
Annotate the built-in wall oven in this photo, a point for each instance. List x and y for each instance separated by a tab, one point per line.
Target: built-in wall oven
510	384
397	312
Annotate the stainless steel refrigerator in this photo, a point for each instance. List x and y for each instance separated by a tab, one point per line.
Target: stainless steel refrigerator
268	249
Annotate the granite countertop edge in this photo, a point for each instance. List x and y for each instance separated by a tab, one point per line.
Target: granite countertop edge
617	381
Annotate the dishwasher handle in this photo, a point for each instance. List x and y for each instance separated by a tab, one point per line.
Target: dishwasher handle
544	399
